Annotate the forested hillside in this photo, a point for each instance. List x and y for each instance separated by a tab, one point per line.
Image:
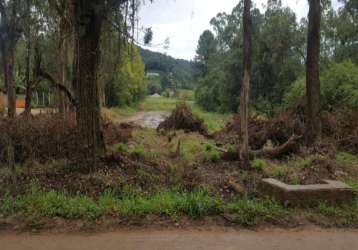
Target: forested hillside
181	71
279	57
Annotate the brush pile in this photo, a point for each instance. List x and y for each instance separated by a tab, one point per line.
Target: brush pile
183	118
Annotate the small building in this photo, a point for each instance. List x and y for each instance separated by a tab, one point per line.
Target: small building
20	100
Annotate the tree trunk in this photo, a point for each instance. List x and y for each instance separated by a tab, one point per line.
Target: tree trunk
10	81
63	62
88	30
245	86
313	123
28	97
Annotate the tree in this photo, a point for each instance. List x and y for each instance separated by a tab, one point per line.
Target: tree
206	47
89	16
10	33
313	123
245	87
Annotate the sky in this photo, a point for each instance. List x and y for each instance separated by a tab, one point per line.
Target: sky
183	21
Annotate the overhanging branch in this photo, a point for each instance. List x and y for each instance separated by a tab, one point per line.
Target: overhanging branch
61	87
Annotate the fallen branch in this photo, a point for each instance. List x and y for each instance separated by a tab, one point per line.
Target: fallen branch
279	151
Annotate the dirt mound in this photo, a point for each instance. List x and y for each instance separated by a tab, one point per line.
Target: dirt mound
183	118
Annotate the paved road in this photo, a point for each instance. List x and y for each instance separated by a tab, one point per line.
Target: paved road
191	240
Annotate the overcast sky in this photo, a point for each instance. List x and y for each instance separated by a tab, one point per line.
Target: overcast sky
183	21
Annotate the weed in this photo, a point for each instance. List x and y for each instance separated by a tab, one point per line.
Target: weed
258	164
278	171
212	155
138	152
249	212
327	209
121	147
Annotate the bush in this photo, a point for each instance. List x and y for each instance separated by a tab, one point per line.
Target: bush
339	87
50	137
128	86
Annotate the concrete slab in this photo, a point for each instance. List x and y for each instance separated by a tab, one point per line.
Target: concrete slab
330	191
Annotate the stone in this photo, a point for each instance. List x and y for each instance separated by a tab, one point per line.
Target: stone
329	191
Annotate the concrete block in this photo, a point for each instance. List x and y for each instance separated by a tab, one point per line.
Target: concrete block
329	191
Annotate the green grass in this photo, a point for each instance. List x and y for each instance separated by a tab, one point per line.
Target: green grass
249	212
214	121
347	158
159	104
354	184
170	202
173	202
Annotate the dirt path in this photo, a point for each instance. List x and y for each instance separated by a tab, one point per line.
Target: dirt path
148	119
195	240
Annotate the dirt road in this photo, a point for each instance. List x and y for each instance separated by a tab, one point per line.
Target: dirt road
148	119
191	240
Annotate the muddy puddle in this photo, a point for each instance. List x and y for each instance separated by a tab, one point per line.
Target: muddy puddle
147	119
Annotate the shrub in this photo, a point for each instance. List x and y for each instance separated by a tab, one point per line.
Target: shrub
339	87
50	137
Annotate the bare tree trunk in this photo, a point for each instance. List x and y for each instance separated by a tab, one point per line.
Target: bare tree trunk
60	96
10	82
28	97
88	29
313	123
245	87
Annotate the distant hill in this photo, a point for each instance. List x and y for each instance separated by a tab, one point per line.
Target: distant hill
182	70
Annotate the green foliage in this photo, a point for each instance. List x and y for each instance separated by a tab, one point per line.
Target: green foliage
276	59
121	147
339	87
258	164
326	209
212	154
138	152
128	86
